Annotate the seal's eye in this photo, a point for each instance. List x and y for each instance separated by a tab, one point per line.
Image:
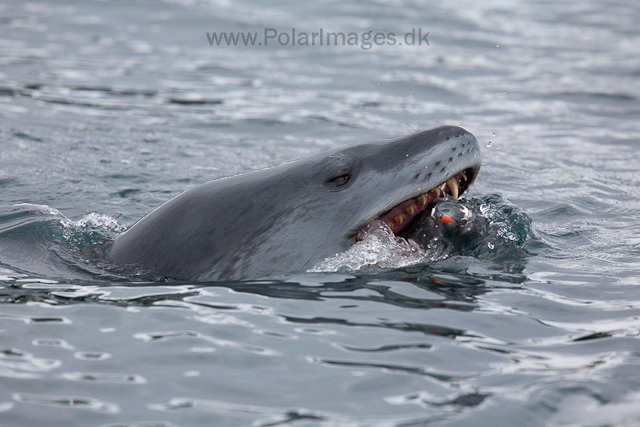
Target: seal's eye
340	180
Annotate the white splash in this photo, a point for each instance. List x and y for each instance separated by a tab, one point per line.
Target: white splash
379	248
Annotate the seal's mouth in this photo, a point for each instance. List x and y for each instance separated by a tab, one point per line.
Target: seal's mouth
399	218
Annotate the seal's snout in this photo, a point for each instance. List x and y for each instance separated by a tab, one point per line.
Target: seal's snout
403	214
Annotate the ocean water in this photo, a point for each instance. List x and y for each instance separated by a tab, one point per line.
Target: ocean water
110	108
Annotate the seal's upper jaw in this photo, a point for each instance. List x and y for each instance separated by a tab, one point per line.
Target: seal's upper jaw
403	214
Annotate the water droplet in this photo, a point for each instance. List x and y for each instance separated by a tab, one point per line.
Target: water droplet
490	245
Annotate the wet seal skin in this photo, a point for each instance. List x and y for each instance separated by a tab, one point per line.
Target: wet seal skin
287	218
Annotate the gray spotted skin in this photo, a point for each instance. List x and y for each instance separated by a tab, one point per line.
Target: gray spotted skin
287	218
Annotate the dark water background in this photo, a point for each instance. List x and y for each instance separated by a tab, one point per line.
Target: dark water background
109	108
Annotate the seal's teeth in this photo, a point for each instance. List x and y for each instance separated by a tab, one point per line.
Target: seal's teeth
436	191
452	184
411	209
464	175
399	218
441	186
422	199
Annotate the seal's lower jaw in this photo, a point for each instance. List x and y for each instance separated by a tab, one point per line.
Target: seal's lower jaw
399	218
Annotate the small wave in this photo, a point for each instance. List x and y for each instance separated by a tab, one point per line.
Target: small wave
39	240
93	221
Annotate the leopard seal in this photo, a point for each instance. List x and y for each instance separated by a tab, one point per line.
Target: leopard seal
287	218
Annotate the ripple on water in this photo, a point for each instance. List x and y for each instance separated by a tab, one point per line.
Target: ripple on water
266	415
104	377
71	402
170	335
16	363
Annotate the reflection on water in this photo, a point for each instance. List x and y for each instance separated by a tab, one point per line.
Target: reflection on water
442	338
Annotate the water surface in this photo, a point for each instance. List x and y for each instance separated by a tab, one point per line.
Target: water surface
108	109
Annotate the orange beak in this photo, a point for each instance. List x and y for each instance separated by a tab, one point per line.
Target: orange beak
445	218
